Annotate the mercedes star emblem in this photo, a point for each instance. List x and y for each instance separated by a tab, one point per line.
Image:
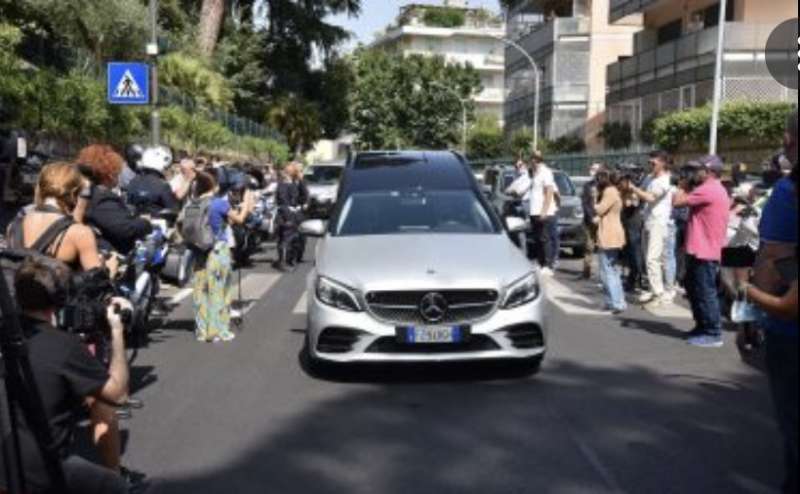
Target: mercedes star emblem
433	307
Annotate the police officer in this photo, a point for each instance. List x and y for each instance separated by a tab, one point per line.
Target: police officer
292	195
149	192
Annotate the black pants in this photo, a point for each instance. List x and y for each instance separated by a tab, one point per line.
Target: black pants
541	249
782	367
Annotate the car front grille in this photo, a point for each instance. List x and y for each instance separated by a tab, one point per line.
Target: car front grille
403	307
475	343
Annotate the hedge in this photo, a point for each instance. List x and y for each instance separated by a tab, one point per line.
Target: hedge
744	123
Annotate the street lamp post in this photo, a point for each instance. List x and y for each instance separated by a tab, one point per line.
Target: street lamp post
152	51
538	82
718	80
463	102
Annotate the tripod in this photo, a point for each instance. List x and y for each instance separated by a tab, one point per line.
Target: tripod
22	393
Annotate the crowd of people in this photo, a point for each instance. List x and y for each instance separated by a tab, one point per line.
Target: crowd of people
88	215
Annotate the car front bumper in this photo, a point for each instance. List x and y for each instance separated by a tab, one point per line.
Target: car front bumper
516	334
572	235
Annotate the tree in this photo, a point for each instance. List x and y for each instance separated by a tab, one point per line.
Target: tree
211	17
298	120
404	101
485	139
617	135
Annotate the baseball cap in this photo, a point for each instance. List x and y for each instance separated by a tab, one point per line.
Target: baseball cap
711	162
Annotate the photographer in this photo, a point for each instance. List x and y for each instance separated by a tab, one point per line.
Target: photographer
107	211
706	235
67	376
633	223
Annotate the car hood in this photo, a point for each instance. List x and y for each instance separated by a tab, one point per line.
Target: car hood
571	209
323	191
422	262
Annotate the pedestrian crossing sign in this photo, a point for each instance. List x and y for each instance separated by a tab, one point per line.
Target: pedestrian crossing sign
128	83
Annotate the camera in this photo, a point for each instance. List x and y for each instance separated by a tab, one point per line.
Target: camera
89	295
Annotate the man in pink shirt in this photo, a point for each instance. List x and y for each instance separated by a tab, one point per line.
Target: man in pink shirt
709	209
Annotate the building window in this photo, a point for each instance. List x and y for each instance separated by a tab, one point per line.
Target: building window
670	32
711	14
687	97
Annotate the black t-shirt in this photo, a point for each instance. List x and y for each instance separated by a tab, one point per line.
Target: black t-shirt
65	373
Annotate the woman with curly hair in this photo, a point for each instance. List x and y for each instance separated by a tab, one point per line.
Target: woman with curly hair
107	212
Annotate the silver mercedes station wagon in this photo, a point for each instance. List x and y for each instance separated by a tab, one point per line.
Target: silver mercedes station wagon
415	266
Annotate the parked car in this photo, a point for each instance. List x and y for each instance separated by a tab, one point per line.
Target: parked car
322	180
416	266
570	214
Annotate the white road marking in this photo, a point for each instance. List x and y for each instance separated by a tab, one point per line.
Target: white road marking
301	308
180	296
571	301
254	286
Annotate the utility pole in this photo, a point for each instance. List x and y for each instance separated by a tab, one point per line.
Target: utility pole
713	146
152	52
537	80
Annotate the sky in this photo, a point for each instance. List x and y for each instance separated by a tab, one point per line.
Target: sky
377	14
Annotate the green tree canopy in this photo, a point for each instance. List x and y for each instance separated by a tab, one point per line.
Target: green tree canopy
405	101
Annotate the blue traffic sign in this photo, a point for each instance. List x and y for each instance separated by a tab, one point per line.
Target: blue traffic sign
128	83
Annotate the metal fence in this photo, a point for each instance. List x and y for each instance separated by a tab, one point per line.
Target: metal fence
573	164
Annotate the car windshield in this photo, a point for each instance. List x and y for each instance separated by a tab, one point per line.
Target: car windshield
394	212
323	175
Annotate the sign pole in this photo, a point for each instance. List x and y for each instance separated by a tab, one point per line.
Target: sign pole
713	144
152	50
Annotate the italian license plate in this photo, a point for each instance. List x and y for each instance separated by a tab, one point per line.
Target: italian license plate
432	335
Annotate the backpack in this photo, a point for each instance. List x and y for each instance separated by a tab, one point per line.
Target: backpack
195	225
12	258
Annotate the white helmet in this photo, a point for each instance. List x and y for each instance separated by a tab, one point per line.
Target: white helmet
156	158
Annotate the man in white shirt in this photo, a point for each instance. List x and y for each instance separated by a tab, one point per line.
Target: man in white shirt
543	212
521	188
657	196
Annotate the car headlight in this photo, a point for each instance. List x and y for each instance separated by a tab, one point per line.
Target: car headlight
521	292
336	295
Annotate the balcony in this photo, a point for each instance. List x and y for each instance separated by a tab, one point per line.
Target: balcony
542	40
624	8
680	62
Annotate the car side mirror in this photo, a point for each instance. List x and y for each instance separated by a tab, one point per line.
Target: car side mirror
313	228
516	225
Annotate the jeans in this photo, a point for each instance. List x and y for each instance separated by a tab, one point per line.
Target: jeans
555	240
782	367
701	288
655	240
542	244
671	257
613	293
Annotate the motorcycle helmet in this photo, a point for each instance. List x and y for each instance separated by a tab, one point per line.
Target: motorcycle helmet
157	159
133	155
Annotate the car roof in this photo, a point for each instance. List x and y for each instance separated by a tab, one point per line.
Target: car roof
435	170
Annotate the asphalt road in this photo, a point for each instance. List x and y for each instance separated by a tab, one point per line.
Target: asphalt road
622	405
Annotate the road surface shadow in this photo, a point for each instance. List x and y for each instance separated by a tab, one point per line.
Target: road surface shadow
575	429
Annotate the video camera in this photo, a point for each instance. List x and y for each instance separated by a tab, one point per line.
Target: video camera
19	168
89	296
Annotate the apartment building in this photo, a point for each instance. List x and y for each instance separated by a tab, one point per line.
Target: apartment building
572	47
672	67
468	37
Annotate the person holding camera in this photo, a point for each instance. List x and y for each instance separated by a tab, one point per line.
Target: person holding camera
61	194
706	235
67	376
656	194
107	212
50	228
213	293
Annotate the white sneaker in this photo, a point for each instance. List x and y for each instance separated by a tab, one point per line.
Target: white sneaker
547	272
236	314
669	297
646	297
